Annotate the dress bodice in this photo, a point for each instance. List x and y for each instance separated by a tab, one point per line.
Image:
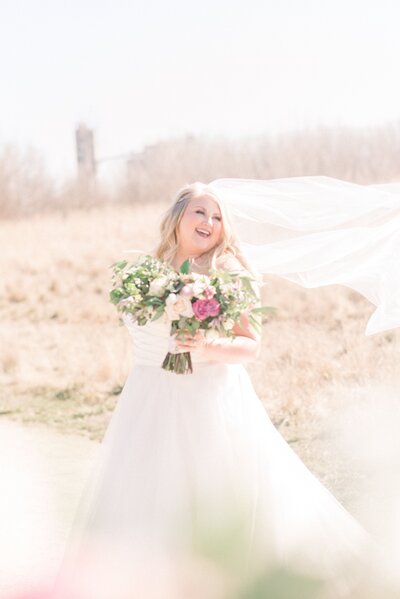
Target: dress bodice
151	342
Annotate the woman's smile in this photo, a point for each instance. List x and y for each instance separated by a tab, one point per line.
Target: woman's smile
200	228
203	232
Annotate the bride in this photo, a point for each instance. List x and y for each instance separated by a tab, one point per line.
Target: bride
191	469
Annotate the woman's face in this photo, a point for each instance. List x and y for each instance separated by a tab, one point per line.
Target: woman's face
200	228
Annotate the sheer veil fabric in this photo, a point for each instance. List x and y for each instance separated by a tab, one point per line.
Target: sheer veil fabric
318	231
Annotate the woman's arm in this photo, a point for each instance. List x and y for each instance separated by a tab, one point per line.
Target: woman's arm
244	347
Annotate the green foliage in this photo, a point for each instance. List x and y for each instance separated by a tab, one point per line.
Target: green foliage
217	301
281	583
116	295
185	267
158	313
119	265
223	541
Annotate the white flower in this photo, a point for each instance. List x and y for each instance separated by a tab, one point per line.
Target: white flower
157	286
225	287
177	306
126	301
229	324
200	283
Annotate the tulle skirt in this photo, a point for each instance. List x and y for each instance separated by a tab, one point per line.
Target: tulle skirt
191	465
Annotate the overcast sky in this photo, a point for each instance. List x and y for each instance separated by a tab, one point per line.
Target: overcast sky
138	72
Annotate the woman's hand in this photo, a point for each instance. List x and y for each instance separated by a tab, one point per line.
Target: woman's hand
244	347
191	342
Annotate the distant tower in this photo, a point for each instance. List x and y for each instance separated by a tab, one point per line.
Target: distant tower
85	151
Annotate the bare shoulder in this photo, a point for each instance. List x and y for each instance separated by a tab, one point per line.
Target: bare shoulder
230	263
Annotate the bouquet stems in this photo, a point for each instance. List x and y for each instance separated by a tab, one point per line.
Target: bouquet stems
178	363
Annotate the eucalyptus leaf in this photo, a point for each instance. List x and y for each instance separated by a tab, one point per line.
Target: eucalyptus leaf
182	323
158	313
115	296
264	310
246	281
121	264
185	267
255	323
154	301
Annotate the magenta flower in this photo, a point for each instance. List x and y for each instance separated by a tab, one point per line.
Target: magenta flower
213	307
200	309
204	308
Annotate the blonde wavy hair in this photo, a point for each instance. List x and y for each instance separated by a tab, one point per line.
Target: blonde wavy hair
226	254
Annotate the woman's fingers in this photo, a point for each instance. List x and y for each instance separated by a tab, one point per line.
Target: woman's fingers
187	341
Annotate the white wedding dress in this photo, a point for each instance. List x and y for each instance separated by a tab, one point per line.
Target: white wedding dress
184	455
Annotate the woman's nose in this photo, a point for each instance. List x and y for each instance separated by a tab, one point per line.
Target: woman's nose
209	220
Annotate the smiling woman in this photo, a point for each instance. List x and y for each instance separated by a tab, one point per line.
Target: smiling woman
197	227
200	228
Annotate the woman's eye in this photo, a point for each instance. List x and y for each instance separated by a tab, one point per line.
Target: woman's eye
218	218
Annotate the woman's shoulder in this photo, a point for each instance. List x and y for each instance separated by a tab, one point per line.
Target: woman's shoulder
230	263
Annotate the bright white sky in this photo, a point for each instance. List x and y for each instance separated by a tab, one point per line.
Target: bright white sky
141	71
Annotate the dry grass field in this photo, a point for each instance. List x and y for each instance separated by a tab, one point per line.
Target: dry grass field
64	356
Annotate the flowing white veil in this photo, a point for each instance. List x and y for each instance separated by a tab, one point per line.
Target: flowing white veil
318	230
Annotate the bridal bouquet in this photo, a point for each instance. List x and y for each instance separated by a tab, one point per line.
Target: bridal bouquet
149	289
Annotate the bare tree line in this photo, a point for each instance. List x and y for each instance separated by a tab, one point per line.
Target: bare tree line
364	155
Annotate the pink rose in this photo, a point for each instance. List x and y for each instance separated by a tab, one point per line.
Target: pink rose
204	308
213	307
200	309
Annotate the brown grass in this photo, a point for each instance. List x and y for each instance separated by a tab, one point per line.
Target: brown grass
64	357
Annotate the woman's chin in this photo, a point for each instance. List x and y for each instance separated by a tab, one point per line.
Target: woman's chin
201	248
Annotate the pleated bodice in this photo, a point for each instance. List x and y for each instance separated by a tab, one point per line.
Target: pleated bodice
151	342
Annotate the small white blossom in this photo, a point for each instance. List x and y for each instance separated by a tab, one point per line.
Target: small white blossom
157	286
229	324
200	283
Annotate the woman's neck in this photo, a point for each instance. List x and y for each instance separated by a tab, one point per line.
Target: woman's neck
180	257
195	261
